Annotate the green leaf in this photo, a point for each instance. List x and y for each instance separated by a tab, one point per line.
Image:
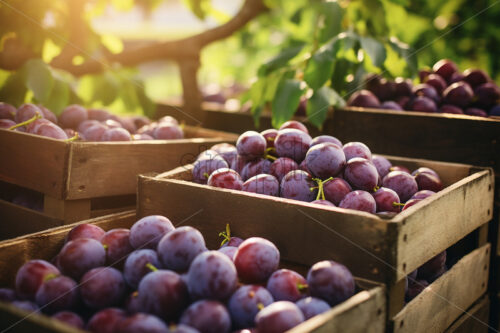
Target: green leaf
39	79
14	90
106	88
374	49
404	51
129	95
256	94
146	104
280	60
59	96
286	101
319	68
340	71
330	20
319	103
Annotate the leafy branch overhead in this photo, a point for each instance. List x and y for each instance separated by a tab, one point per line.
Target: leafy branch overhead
328	62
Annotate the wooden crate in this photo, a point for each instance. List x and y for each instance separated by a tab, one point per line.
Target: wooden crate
364	312
71	174
445	299
475	320
380	249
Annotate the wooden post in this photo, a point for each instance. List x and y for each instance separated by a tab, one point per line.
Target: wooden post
67	210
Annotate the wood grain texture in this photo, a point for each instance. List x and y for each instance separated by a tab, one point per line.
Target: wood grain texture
17	221
111	168
365	310
474	320
431	226
34	162
445	299
451	138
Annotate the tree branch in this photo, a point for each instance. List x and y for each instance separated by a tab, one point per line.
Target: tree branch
177	50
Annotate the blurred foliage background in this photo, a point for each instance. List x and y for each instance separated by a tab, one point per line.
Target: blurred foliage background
314	48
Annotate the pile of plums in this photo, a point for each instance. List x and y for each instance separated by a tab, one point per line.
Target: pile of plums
290	164
444	89
91	124
158	278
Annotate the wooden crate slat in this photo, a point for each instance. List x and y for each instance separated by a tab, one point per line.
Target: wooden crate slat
437	307
317	233
47	174
427	232
474	320
16	220
453	138
354	315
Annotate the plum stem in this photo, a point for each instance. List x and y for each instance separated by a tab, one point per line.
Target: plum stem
206	175
302	287
105	246
226	235
376	188
260	306
269	156
49	277
26	122
73	138
398	204
151	267
321	191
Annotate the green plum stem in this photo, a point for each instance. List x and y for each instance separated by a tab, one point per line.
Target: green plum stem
376	188
226	235
73	138
260	306
302	287
398	204
50	277
151	267
206	175
268	156
105	246
27	122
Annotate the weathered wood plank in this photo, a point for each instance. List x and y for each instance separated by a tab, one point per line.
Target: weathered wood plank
437	307
452	138
117	164
33	162
17	220
354	315
431	226
473	321
67	210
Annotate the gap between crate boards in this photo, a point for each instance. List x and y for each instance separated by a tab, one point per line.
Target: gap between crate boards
400	316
